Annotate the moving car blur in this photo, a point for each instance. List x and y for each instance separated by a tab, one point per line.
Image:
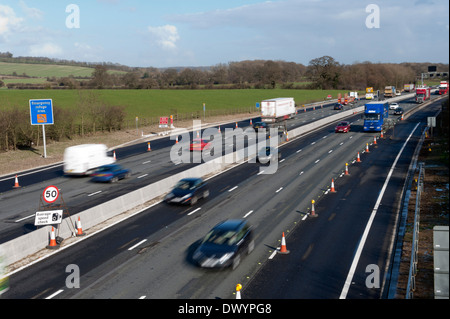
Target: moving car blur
188	191
199	144
224	244
110	173
342	127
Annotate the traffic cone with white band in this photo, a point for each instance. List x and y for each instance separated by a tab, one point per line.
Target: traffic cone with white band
53	244
16	183
80	230
283	249
332	186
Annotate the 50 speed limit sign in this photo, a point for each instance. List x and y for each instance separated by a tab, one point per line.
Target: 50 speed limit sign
51	194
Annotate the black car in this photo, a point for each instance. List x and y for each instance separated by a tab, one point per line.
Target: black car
398	111
260	125
188	191
338	106
225	244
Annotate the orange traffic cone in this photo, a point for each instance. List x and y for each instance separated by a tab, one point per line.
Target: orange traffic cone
53	244
114	155
382	135
149	148
313	210
332	186
80	230
16	183
375	140
236	125
346	169
219	129
251	122
358	159
283	249
176	141
367	148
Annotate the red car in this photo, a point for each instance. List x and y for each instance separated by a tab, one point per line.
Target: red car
343	127
199	144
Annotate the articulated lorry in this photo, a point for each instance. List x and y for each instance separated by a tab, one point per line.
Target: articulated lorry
422	94
375	116
277	110
389	91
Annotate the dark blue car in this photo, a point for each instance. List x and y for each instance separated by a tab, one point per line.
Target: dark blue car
225	245
188	191
110	173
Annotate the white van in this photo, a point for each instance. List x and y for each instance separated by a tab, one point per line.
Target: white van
84	159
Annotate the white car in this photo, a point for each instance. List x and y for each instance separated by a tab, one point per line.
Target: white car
393	106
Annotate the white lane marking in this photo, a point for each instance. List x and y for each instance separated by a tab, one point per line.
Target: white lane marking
301	173
19	220
298	151
279	190
362	242
55	294
317	161
139	243
273	254
248	214
94	193
330	151
194	211
142	176
146	162
260	173
233	189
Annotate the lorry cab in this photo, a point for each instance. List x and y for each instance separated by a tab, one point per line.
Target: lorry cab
375	115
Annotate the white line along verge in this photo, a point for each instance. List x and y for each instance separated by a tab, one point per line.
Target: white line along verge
139	243
55	294
194	211
351	272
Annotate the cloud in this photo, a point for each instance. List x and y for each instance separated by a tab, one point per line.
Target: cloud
165	36
46	50
31	12
8	20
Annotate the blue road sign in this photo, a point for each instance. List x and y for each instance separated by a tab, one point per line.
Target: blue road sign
41	112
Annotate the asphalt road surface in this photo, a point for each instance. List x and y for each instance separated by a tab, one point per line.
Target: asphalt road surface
150	254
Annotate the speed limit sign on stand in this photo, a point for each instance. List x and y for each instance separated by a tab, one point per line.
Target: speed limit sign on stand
51	194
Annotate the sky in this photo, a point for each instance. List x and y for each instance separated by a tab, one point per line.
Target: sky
171	33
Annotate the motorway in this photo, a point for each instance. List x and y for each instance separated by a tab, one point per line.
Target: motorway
149	255
19	205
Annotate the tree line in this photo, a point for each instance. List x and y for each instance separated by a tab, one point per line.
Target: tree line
320	73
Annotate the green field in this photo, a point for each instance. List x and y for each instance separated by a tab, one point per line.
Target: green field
155	103
44	70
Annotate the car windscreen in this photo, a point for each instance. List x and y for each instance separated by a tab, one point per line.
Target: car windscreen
221	237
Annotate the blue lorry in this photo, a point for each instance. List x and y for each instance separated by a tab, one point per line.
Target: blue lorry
375	116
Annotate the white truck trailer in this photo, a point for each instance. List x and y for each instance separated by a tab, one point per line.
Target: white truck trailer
277	110
84	159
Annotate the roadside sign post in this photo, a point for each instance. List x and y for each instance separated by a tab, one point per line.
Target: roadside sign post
41	113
